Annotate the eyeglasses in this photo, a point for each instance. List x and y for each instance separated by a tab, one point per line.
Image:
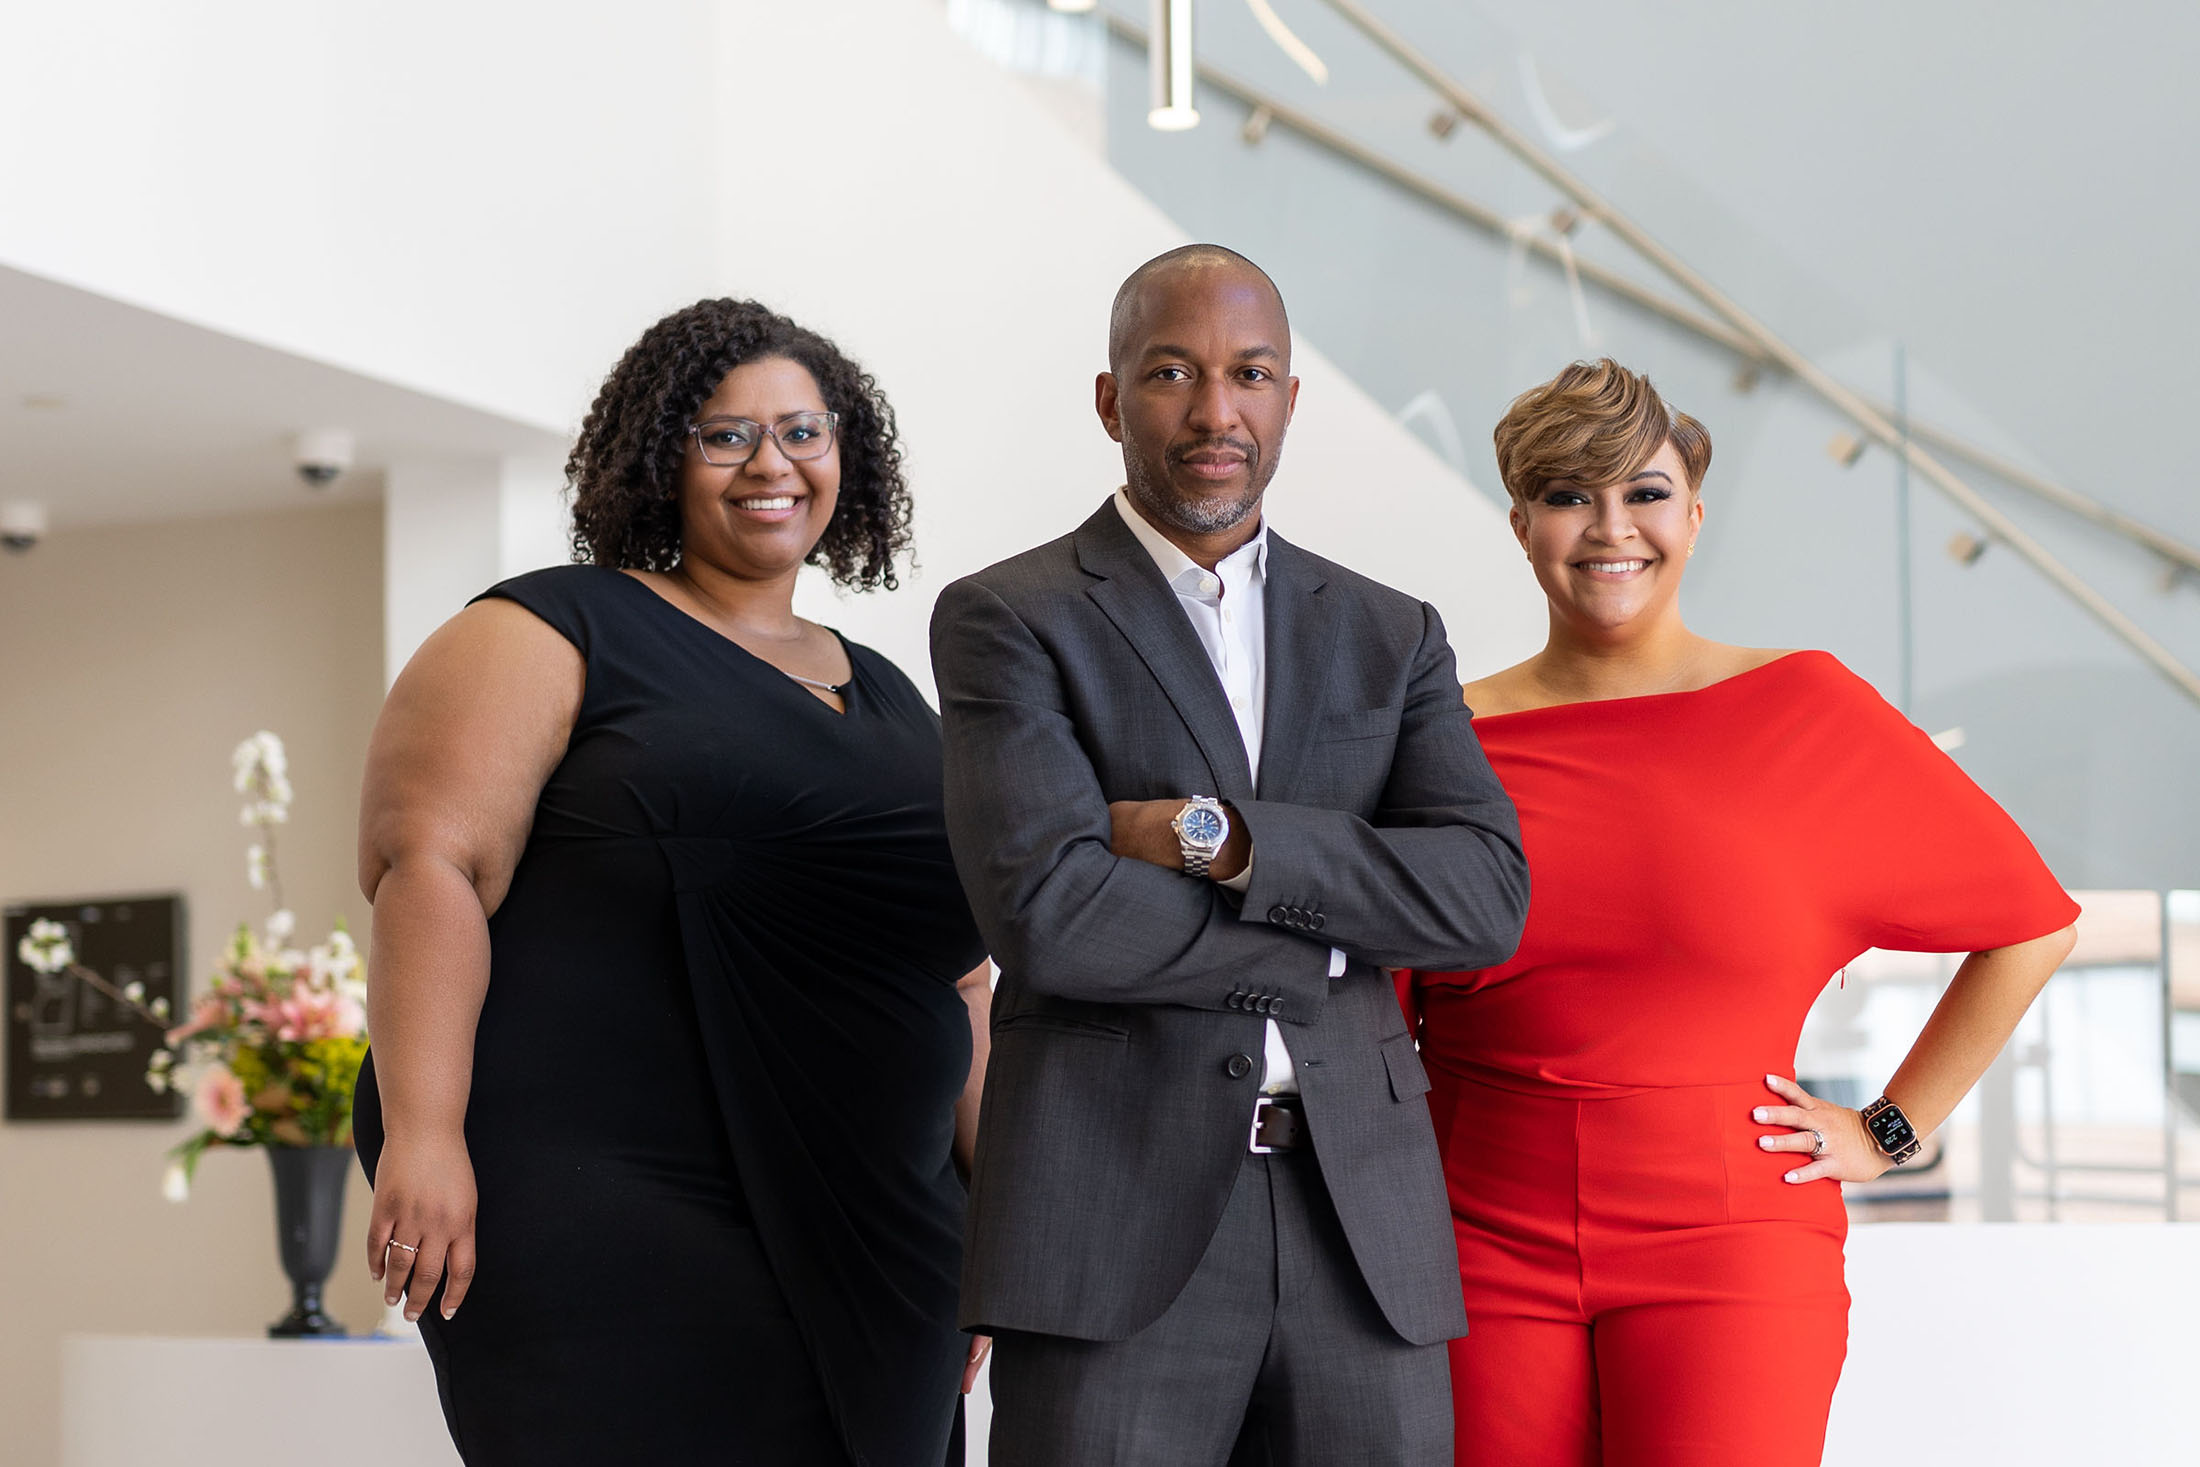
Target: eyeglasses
728	442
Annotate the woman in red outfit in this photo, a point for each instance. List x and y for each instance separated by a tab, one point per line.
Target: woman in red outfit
1650	1243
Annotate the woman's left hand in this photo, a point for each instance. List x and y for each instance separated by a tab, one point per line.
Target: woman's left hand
1848	1155
979	1345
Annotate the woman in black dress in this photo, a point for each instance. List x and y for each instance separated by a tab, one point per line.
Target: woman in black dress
679	1015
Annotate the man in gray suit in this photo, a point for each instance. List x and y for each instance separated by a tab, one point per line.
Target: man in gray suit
1203	788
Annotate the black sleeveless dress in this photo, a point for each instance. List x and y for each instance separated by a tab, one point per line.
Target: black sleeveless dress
716	1070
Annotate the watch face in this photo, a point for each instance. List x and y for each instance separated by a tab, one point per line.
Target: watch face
1892	1131
1202	827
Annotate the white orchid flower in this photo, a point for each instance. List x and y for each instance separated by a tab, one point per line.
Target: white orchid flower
46	947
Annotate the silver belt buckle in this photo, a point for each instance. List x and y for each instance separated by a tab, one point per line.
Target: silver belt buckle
1261	1106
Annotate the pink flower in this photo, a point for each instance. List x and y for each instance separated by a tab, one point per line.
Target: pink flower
306	1015
220	1101
208	1013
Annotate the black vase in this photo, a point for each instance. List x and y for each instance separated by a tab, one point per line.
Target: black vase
309	1223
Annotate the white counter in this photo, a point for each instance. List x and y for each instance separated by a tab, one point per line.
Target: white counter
130	1401
1986	1344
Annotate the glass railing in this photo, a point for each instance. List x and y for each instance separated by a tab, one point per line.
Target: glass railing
1434	268
2092	1111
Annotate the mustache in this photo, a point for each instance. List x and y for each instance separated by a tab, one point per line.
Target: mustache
1238	446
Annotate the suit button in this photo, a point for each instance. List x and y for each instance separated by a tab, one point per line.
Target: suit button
1260	1005
1240	1066
1279	914
1236	1000
1275	1005
1298	916
1317	921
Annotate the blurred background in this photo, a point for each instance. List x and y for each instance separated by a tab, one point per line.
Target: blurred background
301	305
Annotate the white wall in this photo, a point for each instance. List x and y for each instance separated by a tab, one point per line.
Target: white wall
132	660
968	260
451	527
483	201
488	202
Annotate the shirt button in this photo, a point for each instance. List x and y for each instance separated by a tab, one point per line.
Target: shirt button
1210	585
1240	1066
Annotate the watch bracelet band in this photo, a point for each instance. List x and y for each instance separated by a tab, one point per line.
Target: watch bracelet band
1917	1142
1196	862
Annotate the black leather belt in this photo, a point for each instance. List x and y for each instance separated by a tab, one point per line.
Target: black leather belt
1279	1125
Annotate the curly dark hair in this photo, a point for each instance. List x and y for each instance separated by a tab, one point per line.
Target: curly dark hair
624	470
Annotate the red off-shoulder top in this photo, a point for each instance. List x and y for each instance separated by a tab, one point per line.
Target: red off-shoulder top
1702	862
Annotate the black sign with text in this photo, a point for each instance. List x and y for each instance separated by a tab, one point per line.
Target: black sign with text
73	1053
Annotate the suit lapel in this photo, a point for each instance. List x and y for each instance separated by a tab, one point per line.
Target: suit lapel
1302	633
1132	594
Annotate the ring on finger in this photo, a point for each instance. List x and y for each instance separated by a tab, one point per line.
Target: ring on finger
393	1243
1817	1143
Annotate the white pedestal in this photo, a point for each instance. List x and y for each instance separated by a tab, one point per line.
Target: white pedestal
2019	1345
127	1401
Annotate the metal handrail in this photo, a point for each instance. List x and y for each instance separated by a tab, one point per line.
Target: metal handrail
1739	332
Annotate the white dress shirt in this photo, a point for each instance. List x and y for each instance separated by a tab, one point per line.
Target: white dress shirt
1227	607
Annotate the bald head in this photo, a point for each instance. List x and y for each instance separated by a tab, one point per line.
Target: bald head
1199	392
1133	313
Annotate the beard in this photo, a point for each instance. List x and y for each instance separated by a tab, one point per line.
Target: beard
1193	512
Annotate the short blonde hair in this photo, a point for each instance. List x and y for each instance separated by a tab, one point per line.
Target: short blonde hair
1595	423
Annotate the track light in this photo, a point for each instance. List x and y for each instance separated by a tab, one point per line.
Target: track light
1443	123
1169	54
1845	449
1256	123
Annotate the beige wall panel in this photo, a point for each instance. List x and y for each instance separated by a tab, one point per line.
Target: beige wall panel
132	660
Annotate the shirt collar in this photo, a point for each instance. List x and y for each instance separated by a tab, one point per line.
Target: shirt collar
1183	573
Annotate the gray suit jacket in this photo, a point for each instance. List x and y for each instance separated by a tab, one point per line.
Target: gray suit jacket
1119	1101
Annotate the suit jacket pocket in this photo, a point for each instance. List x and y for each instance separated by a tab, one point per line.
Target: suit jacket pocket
1407	1078
1357	723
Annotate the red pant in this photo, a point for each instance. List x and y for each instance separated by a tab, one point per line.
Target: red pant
1643	1289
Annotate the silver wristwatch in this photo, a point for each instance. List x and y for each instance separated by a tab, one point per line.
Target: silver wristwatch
1201	827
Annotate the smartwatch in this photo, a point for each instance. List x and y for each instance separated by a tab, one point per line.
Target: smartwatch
1201	827
1891	1130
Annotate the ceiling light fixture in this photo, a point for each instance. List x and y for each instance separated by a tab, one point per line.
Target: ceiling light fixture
1072	7
1169	54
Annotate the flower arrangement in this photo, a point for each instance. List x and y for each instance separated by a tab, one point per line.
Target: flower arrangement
270	1052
